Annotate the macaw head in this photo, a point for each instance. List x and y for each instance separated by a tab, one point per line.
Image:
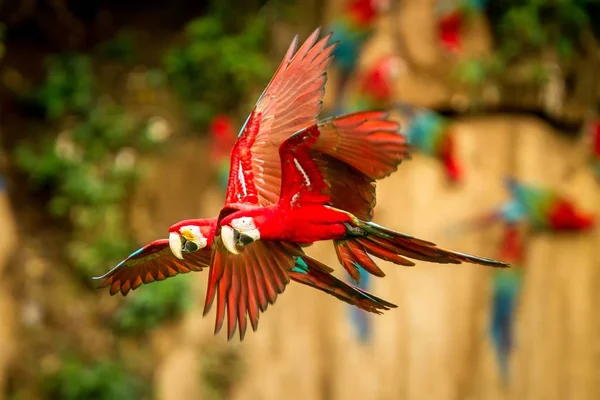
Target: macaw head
239	232
191	235
241	228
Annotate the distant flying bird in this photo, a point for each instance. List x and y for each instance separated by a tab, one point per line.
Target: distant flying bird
541	209
430	133
352	29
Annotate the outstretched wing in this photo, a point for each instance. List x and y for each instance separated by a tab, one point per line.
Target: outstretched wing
153	262
246	284
290	103
302	182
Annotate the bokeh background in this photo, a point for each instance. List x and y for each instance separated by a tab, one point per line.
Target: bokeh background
113	119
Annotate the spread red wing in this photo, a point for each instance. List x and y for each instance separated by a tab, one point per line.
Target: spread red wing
366	140
290	102
246	284
153	262
302	181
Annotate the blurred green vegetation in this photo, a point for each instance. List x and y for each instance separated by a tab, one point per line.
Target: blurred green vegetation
536	37
153	304
103	380
221	369
213	70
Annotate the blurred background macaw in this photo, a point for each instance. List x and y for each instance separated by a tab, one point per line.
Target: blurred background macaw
374	87
353	28
452	16
534	207
430	133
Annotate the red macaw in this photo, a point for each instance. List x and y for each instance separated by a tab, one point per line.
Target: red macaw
374	89
295	94
353	29
430	133
452	16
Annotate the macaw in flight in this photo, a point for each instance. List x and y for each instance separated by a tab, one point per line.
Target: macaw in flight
347	137
352	30
430	133
451	19
375	86
247	274
542	209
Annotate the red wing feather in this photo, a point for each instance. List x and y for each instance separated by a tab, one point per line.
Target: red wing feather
245	284
290	102
365	140
302	181
350	190
153	262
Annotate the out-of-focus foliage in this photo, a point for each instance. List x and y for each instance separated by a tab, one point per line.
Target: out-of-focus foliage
86	158
533	38
214	69
153	304
221	368
104	380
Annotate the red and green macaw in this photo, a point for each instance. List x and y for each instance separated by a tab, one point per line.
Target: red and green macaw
375	87
353	29
451	19
223	137
430	133
294	94
542	209
321	167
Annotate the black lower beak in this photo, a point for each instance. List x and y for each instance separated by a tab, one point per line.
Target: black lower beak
245	240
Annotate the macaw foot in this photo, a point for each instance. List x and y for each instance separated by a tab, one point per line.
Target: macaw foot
355	230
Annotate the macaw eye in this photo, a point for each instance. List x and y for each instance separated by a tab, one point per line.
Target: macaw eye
190	246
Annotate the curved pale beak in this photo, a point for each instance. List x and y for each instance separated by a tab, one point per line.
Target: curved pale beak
230	238
175	244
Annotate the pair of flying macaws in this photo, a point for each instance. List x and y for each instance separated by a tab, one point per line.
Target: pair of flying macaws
293	180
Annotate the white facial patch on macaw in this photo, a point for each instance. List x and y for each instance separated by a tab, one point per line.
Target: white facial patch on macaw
192	233
246	226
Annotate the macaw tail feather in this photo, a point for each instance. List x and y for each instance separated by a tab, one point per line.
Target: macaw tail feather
310	272
369	238
360	319
506	287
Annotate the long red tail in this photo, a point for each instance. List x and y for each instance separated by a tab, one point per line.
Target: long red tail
398	248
